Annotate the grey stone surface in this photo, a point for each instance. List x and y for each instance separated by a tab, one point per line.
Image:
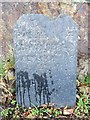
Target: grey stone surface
46	60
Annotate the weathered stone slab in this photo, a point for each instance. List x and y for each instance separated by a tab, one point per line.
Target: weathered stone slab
46	60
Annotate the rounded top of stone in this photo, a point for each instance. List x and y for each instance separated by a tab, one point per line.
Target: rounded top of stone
40	17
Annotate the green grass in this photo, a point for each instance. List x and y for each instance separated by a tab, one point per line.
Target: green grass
1	68
86	80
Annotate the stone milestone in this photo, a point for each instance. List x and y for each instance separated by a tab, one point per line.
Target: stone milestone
46	60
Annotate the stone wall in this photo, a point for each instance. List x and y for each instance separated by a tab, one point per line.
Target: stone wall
78	11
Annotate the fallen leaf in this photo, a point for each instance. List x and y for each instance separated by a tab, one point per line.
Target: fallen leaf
68	111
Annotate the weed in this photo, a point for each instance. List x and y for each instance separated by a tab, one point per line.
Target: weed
1	69
87	79
83	105
5	113
57	112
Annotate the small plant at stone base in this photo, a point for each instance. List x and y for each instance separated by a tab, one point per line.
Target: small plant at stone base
13	102
83	105
57	112
7	112
86	80
35	111
40	112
